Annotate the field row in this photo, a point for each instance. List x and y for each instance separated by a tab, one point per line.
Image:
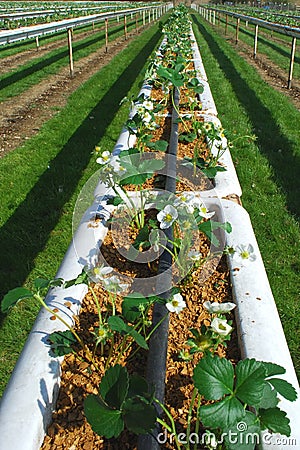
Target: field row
276	44
58	161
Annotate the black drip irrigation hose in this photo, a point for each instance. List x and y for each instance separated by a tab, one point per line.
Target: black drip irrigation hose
156	366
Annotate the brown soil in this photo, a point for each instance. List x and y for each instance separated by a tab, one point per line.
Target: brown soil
22	119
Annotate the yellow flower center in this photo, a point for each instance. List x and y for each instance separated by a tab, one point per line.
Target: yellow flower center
168	217
245	254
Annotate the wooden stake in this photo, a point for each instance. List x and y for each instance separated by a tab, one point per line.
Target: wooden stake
255	41
106	35
37	43
125	27
237	30
70	52
226	24
292	58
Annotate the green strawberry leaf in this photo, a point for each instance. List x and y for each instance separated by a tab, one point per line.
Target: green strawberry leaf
273	369
222	414
62	342
131	306
250	381
275	420
136	179
114	386
160	145
103	420
117	324
284	388
243	435
13	297
213	377
138	387
41	283
269	398
139	416
206	228
151	165
138	338
116	201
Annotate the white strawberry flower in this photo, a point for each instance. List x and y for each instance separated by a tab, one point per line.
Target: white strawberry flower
203	211
115	163
104	158
244	254
140	110
207	126
220	326
97	273
147	104
167	216
147	118
176	304
113	284
218	308
187	200
194	255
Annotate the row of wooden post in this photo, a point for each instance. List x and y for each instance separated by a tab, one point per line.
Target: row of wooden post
211	17
153	16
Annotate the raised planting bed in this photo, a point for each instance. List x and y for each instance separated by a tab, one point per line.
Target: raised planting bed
178	328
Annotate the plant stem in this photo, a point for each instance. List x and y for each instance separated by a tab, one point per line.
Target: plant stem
178	112
113	303
121	349
171	253
110	353
142	208
156	326
189	418
132	205
41	300
162	422
197	422
80	341
97	304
